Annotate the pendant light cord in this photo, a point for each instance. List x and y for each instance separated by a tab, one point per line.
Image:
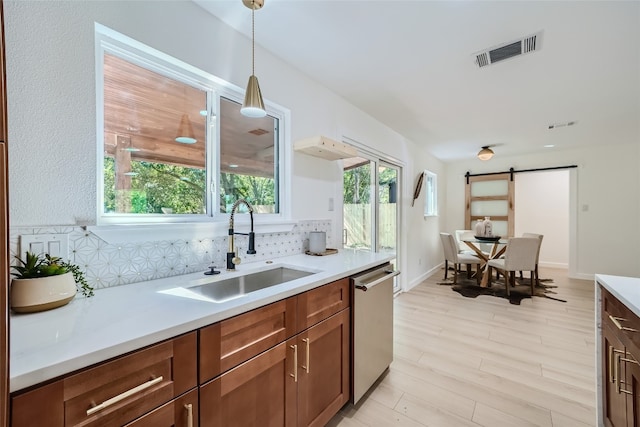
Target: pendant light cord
253	42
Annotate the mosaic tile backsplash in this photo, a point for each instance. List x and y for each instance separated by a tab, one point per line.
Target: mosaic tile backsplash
108	265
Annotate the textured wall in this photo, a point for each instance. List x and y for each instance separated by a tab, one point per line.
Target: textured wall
52	113
108	265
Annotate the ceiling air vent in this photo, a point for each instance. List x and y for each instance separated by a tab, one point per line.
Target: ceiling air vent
508	50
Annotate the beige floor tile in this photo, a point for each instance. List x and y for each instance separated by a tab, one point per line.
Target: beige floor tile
484	362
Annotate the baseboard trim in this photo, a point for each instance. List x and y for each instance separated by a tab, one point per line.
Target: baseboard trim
558	265
415	282
582	276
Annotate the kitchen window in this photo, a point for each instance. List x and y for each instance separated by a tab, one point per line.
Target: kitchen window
173	146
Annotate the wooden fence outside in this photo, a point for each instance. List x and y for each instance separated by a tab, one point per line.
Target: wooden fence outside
357	225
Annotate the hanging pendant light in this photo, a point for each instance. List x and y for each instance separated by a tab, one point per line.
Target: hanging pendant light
185	131
486	153
253	105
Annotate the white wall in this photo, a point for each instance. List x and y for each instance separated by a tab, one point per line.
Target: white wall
542	207
51	112
422	234
52	133
606	181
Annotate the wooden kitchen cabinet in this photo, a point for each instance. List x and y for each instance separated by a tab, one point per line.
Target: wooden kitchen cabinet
620	363
283	364
322	302
230	342
615	411
4	237
303	381
112	393
632	385
323	370
180	412
259	392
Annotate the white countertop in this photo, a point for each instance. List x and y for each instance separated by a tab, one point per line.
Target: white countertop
626	289
124	318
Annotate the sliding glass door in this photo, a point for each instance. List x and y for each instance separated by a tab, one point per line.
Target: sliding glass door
371	189
358	214
388	180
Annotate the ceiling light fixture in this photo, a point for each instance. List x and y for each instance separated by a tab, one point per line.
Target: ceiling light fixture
253	105
185	131
486	153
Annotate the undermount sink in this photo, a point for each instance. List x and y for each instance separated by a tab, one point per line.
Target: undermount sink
235	287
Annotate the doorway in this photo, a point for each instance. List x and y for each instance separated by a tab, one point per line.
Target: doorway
550	218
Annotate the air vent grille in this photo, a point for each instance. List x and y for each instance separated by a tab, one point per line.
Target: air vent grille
529	44
505	52
508	50
482	59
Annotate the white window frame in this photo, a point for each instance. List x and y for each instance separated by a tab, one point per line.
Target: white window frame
431	194
108	41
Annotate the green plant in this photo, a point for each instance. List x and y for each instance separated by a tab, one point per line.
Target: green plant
35	266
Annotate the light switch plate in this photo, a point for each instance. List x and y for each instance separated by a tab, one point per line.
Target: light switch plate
53	244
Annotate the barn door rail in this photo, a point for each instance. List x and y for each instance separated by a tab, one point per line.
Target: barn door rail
513	171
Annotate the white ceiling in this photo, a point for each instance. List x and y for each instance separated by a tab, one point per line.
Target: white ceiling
410	64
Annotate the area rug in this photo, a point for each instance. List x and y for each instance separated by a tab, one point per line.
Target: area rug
470	289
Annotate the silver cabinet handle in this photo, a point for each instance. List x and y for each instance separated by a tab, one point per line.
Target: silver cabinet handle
365	286
123	395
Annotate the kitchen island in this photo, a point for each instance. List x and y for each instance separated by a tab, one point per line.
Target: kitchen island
617	322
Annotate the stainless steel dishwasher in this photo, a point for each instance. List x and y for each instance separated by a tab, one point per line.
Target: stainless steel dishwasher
372	326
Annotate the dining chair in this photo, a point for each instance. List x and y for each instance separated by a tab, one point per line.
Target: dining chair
462	246
451	255
519	256
539	237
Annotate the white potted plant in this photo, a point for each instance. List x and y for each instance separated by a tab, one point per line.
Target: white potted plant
43	282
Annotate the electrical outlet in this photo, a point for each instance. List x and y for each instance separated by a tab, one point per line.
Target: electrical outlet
52	244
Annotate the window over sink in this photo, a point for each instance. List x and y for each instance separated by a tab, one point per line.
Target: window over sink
172	144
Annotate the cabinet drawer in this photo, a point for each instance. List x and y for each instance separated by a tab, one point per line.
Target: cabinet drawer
114	392
180	412
618	317
226	344
321	303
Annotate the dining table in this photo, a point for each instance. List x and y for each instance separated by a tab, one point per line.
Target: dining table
498	248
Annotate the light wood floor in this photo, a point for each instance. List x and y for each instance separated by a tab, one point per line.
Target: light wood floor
484	362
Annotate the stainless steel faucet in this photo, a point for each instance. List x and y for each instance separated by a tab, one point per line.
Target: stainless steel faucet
232	259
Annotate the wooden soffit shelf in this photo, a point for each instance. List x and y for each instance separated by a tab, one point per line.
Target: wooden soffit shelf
326	148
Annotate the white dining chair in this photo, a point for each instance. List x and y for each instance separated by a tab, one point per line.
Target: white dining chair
519	256
451	255
461	235
539	237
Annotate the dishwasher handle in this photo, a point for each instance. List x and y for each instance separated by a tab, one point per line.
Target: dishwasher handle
367	285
